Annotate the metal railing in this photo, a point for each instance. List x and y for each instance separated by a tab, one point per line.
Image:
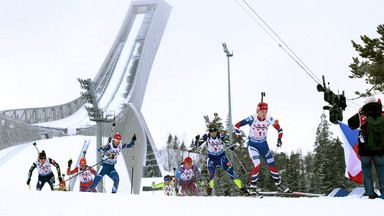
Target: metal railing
44	114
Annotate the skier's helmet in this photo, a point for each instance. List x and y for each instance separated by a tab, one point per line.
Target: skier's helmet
188	160
262	106
118	137
83	162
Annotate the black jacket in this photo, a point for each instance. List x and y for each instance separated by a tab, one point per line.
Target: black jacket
369	110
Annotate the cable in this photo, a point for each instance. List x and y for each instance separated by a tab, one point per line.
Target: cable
290	53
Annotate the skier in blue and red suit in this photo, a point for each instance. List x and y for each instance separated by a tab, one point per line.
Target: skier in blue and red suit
185	178
111	152
217	156
258	146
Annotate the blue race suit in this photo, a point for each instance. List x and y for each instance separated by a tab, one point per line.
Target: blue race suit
109	164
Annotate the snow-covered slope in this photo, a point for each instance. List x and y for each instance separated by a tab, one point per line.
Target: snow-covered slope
17	199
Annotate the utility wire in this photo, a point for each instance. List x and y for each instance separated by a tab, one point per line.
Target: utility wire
279	41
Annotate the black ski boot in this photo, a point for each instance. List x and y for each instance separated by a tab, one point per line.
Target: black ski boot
244	192
209	191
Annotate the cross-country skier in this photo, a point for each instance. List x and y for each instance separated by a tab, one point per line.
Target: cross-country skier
111	153
216	156
45	173
185	178
168	186
85	174
258	146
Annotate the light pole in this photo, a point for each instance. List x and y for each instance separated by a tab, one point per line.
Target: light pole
95	114
230	127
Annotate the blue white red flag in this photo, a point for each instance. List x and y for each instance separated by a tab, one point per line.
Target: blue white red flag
351	155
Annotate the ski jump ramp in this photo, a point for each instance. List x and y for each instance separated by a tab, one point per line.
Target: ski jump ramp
120	86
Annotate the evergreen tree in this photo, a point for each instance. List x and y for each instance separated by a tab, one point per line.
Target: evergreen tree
179	157
373	66
292	176
183	147
302	175
282	165
309	173
170	158
322	161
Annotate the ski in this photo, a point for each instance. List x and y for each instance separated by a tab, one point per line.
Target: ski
289	194
252	193
255	195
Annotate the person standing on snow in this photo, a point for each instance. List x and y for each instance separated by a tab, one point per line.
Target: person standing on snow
185	178
370	120
85	174
45	173
258	146
217	156
168	186
111	153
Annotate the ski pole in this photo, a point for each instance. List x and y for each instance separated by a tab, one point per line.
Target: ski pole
34	144
262	96
241	164
102	186
112	129
69	182
133	166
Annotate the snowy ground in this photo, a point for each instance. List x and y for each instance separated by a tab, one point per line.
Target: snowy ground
17	199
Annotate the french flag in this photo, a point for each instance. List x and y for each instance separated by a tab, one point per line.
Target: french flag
352	158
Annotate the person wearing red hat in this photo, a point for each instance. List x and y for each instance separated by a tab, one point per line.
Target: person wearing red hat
85	174
110	154
258	146
185	178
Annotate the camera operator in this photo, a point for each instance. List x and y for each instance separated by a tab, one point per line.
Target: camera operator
370	120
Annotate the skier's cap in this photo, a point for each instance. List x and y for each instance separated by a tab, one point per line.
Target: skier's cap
370	99
262	106
83	161
212	128
118	137
188	160
167	178
42	155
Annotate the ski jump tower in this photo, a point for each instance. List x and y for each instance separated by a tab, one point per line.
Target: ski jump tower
154	16
120	85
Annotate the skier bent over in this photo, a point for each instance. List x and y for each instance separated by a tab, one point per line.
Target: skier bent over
185	178
85	174
45	173
111	152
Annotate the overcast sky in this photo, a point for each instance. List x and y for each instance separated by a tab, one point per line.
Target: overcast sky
45	45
